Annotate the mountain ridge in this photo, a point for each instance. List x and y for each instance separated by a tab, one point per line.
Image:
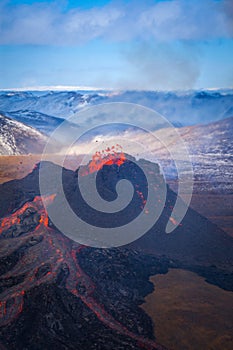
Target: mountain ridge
187	108
18	138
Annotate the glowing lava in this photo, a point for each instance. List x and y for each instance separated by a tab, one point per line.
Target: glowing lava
42	255
108	156
37	204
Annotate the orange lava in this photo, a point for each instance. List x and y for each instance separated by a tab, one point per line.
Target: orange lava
58	251
140	195
37	204
108	156
173	221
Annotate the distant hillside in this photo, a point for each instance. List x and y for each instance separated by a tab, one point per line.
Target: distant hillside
18	138
180	108
59	104
210	148
40	121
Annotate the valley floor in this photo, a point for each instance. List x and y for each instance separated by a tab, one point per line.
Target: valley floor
189	313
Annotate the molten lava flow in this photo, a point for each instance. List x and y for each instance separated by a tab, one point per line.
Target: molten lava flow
141	196
32	258
37	204
109	156
47	256
173	221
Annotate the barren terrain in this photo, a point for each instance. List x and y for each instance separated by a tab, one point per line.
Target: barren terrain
216	207
190	314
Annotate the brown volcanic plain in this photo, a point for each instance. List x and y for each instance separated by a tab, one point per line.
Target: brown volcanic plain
189	313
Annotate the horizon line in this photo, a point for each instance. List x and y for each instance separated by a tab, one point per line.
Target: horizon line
91	88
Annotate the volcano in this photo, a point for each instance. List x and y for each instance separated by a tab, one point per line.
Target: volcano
57	293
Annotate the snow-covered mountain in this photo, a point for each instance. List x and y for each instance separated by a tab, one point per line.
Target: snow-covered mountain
40	121
180	108
58	104
184	108
18	138
211	151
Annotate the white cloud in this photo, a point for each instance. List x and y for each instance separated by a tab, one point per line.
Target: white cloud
47	24
182	19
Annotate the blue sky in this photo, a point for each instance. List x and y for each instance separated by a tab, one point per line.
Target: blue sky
161	45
